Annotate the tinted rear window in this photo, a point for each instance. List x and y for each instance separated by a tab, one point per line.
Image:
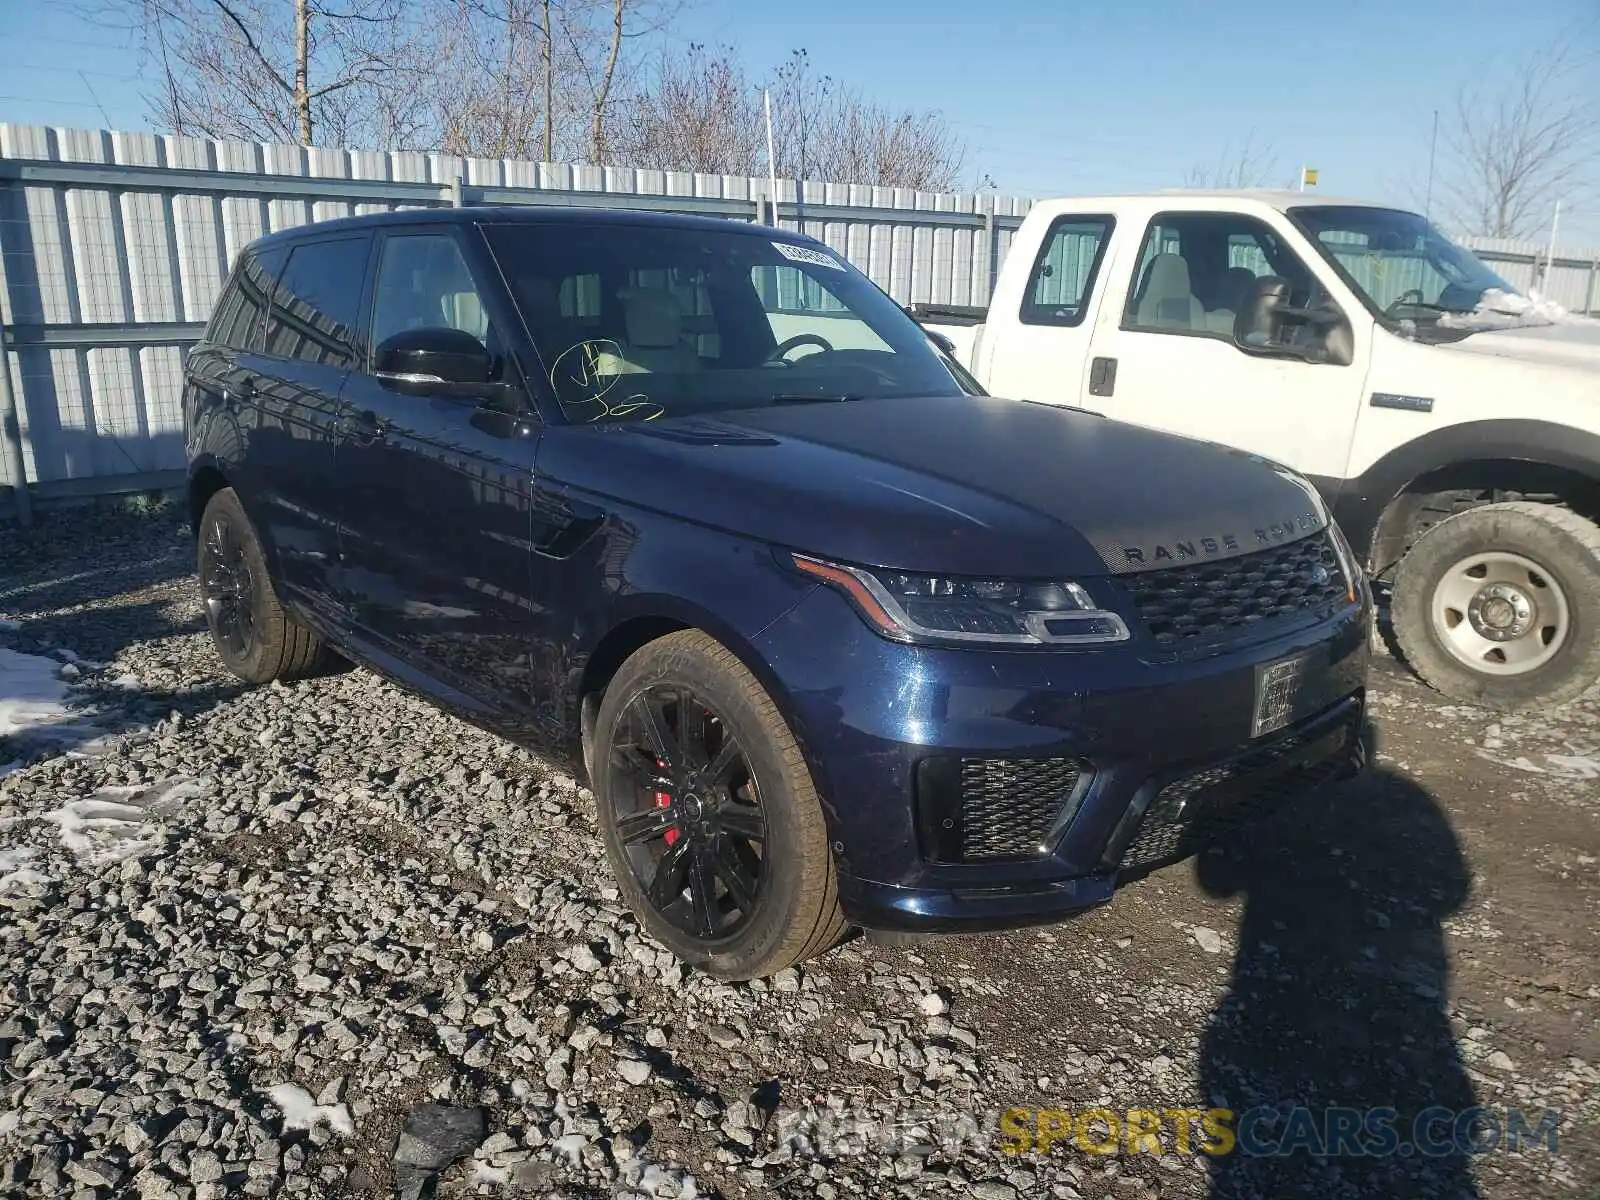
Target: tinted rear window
316	305
242	308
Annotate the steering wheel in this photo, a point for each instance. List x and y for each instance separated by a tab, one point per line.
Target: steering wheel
800	339
1409	296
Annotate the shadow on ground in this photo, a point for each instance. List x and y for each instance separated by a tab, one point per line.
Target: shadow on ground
1338	1000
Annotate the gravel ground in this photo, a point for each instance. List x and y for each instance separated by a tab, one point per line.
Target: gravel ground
250	935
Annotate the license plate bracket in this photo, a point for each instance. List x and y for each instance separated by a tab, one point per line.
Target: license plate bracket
1283	689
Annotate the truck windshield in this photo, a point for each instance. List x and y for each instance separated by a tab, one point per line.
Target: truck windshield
635	322
1404	268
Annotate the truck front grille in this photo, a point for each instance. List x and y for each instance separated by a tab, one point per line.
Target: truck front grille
1196	809
994	809
1213	600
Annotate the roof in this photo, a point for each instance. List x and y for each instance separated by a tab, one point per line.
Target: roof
527	214
1278	198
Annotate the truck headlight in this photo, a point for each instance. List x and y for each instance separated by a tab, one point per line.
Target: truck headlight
915	608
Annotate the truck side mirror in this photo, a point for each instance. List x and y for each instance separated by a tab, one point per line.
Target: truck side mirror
1260	318
1268	324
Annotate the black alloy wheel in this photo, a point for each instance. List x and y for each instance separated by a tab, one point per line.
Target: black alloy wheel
255	638
688	812
227	587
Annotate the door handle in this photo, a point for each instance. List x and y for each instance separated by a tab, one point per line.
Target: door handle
1102	376
362	427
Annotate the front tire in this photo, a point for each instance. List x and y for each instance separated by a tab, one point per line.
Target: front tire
1500	606
710	818
255	638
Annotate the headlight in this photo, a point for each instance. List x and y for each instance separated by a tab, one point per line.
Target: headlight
1002	612
1353	574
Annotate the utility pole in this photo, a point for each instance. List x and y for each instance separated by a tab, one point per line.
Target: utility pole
772	158
1550	250
1433	151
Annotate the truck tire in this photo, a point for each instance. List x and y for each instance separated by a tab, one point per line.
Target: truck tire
709	816
1500	606
255	638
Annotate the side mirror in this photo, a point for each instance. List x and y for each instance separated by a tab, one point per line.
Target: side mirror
418	361
1267	324
1259	322
944	343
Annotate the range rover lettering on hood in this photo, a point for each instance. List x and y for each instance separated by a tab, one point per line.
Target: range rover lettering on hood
1183	549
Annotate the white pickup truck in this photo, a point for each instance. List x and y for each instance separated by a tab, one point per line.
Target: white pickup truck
1452	425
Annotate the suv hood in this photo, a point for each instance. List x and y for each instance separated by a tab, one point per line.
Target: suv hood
960	485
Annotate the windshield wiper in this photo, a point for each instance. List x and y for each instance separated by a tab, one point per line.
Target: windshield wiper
814	398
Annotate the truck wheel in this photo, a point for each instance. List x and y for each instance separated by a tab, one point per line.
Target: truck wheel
255	638
1500	605
710	819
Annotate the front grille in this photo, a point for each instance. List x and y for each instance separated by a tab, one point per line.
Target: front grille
1191	812
994	809
1218	599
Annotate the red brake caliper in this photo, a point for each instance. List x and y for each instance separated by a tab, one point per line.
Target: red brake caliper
664	800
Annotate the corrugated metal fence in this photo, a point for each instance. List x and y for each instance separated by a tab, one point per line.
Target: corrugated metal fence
113	247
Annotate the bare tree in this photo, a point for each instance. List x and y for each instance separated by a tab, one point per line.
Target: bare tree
264	71
1517	146
1252	166
700	111
830	132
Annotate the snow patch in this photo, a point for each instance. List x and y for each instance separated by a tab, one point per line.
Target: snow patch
300	1111
483	1173
1563	766
1497	309
35	709
32	692
14	873
115	823
658	1181
73	658
100	832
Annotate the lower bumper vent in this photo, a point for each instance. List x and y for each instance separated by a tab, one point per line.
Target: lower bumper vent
1191	812
995	809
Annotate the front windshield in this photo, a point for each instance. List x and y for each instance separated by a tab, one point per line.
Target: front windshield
1404	268
635	322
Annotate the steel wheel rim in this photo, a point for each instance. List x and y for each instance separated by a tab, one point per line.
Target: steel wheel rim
227	588
1501	613
688	812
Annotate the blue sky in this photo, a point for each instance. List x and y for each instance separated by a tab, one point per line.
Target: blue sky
1051	98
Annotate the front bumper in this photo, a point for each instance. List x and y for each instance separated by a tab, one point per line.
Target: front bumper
1166	745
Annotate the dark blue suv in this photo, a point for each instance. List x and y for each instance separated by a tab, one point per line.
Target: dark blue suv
839	639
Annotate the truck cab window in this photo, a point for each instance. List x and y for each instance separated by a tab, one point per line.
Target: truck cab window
1064	273
1196	270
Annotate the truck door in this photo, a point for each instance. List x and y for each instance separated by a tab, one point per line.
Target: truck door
1163	353
1041	354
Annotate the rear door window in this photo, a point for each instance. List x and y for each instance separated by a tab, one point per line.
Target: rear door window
240	315
317	302
1065	271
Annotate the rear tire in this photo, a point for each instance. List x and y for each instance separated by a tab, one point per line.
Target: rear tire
255	638
710	818
1500	606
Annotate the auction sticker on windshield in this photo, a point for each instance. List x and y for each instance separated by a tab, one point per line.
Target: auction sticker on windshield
805	254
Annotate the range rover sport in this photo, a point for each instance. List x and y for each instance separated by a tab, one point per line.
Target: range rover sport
837	640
